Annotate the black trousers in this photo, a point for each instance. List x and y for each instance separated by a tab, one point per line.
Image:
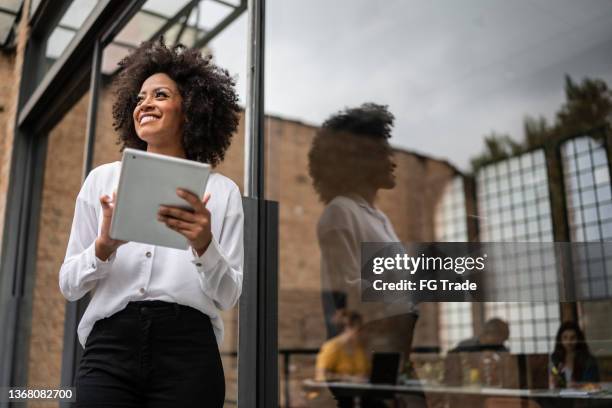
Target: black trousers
151	354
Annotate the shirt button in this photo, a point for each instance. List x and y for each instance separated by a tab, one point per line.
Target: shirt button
199	264
93	265
142	291
148	254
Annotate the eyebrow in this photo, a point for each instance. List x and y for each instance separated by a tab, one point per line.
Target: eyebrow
158	89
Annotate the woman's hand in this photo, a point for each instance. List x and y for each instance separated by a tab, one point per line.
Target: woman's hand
193	225
105	245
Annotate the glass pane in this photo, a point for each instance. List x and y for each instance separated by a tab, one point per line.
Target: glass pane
76	14
140	28
58	41
373	115
6	24
73	19
12	5
166	8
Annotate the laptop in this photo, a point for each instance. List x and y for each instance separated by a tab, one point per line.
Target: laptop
385	368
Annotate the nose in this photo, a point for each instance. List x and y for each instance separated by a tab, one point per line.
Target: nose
146	103
145	106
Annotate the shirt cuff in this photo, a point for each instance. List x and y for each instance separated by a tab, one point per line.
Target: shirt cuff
209	258
96	267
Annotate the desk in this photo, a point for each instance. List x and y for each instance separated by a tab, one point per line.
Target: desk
545	397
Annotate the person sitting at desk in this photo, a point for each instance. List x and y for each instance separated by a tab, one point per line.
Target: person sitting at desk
344	357
493	336
571	361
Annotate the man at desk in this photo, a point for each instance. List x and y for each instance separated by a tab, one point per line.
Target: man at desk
493	336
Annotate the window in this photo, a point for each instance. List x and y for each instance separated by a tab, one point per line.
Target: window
455	318
589	213
514	206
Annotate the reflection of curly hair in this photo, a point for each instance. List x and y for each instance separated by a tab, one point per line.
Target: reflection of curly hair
208	94
349	143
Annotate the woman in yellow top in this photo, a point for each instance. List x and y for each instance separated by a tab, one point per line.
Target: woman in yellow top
344	357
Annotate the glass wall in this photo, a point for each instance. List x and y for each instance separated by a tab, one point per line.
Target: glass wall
378	122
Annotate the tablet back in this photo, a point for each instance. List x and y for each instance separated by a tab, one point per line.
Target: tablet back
147	181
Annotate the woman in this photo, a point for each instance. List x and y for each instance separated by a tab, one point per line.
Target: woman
571	361
152	328
344	356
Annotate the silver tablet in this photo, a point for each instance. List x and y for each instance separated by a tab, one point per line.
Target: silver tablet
148	180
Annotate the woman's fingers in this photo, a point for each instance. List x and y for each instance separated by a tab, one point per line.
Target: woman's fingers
192	199
205	199
107	202
175	222
180	227
177	213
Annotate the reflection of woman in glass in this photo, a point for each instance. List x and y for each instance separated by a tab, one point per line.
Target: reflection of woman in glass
152	328
571	361
350	161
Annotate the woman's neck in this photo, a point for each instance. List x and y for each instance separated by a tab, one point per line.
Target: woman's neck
368	194
175	151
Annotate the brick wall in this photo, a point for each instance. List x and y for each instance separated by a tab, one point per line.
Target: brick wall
62	181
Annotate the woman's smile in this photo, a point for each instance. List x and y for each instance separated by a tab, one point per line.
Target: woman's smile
146	118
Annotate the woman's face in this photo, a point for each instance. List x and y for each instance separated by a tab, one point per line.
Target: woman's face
383	166
158	115
568	340
373	158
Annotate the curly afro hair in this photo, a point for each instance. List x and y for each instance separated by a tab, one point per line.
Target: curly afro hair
209	99
351	142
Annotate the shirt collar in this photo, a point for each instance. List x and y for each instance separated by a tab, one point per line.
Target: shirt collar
361	201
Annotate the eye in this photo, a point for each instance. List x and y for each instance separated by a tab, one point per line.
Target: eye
161	94
139	99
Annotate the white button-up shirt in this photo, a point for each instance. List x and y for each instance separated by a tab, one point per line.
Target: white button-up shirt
345	224
138	271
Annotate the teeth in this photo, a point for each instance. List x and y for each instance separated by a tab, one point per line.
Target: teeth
146	119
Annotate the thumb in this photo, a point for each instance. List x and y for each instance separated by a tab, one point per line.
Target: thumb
104	201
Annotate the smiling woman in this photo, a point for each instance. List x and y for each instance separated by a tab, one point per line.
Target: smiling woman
152	328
